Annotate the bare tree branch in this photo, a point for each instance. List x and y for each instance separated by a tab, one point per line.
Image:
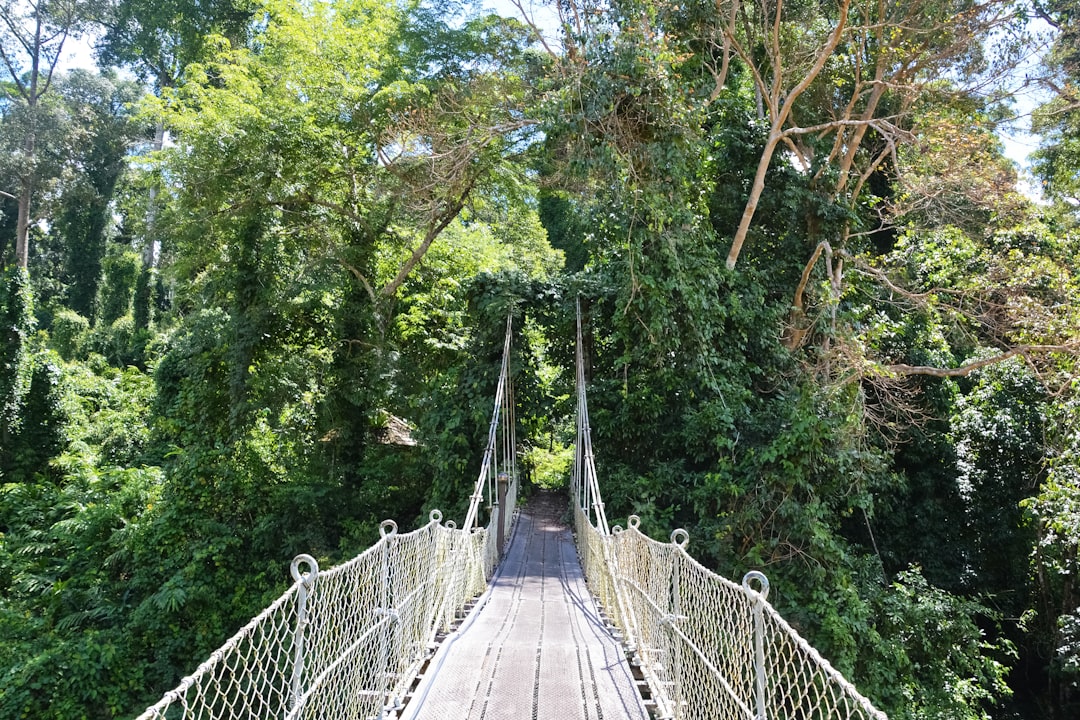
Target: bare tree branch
1025	351
795	335
433	232
780	111
363	280
537	33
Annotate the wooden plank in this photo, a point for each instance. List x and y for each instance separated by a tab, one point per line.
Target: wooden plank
537	647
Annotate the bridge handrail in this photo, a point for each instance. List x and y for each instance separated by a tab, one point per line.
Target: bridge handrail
344	643
708	647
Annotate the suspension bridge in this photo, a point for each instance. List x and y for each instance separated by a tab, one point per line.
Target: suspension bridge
519	617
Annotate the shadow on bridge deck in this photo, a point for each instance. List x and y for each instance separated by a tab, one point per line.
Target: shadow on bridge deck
535	646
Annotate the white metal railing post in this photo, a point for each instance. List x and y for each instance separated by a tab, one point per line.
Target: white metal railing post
385	608
679	539
759	599
500	530
306	582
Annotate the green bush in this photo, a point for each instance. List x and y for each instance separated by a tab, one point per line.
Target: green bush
16	365
27	450
69	333
550	464
118	289
116	341
936	660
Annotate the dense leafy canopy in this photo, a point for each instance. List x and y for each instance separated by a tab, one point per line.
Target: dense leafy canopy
825	333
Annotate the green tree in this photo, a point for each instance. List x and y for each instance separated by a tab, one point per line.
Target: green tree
1056	161
918	624
159	39
337	174
318	171
32	38
17	325
998	430
121	273
71	516
101	106
54	137
784	448
1053	511
28	450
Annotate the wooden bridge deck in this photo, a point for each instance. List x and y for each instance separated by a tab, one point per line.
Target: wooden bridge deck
536	647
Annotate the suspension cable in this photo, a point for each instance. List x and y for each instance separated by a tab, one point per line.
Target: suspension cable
586	488
489	465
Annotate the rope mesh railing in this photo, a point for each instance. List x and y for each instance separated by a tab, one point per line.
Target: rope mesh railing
347	643
344	643
708	648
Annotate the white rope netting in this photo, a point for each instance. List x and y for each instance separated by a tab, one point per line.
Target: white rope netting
709	648
344	643
347	643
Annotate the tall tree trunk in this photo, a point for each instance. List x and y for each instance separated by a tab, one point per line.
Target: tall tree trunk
151	243
22	227
31	92
39	41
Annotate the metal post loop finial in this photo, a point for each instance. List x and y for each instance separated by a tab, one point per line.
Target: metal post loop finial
383	531
762	581
308	577
678	533
435	516
633	522
759	637
305	582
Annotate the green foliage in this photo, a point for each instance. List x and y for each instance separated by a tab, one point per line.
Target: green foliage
89	676
146	292
107	410
937	661
121	270
27	451
16	364
68	333
565	231
1056	160
70	512
117	342
357	195
190	404
158	39
997	429
1055	514
790	461
549	467
65	569
102	105
453	409
67	534
432	320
